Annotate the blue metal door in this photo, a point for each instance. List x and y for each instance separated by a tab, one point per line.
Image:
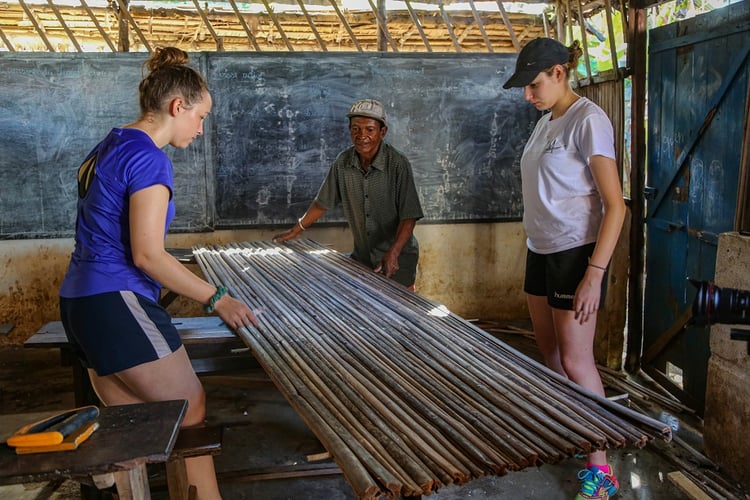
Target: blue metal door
697	85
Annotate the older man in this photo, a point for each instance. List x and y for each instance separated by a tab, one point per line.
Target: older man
375	185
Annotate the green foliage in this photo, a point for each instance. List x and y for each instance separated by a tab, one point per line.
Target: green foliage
677	10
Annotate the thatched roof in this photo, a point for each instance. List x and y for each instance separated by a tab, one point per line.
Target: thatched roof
431	25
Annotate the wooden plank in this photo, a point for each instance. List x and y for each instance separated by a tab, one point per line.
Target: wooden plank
666	337
687	486
194	330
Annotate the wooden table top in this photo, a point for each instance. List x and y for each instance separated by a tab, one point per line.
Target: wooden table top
128	436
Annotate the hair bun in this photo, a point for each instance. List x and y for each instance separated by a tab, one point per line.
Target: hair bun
167	56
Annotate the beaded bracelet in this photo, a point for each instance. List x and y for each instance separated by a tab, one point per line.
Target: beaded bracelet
220	292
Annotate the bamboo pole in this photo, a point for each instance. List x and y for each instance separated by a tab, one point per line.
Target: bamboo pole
405	397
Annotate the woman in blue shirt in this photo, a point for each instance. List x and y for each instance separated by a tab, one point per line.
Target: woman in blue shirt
109	297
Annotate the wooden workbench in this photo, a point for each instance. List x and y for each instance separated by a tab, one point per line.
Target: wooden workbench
128	438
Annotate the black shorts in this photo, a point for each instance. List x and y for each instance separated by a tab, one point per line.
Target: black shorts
113	331
557	275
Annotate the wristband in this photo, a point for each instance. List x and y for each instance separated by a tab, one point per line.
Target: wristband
596	267
299	223
220	292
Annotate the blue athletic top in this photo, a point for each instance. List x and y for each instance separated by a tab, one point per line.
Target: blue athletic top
125	162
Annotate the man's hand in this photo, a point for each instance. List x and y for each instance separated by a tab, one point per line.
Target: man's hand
287	235
388	264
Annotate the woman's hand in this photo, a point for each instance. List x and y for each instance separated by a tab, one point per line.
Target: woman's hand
235	313
588	295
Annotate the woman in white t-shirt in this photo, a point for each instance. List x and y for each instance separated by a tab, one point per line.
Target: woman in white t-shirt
573	214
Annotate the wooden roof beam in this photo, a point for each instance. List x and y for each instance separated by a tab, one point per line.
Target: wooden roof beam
312	26
480	25
383	24
124	12
6	41
508	25
64	25
98	26
207	24
243	23
278	25
418	25
449	24
345	24
38	27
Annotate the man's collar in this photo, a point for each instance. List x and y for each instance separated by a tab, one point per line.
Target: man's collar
378	162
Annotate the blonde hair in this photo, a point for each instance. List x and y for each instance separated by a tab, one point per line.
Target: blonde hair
169	76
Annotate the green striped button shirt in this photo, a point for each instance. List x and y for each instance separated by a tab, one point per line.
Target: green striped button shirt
374	204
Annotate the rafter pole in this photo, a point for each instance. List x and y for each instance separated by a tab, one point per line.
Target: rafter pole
6	41
545	23
624	17
278	25
449	24
418	24
124	11
98	26
560	20
466	32
209	27
508	25
346	25
569	21
480	25
123	31
611	37
637	57
584	40
64	25
382	40
244	25
383	25
312	26
39	28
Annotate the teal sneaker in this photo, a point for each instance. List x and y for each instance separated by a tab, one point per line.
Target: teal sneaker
596	485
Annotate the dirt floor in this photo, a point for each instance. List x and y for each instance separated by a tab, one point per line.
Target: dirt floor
266	444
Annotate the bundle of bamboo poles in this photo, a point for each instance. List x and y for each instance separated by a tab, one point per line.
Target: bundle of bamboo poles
405	395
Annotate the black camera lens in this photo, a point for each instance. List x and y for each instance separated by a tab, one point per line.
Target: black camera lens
720	305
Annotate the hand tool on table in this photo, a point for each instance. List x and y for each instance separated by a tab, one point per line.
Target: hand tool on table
59	432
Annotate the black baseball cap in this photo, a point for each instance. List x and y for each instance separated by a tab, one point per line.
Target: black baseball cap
538	55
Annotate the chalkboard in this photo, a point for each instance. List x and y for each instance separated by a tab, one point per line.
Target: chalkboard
280	120
54	108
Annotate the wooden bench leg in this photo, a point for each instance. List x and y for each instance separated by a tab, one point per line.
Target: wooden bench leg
191	442
177	481
133	484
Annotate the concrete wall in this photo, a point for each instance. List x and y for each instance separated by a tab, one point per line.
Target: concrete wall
728	386
476	270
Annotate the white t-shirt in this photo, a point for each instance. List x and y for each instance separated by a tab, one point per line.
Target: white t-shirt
562	207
